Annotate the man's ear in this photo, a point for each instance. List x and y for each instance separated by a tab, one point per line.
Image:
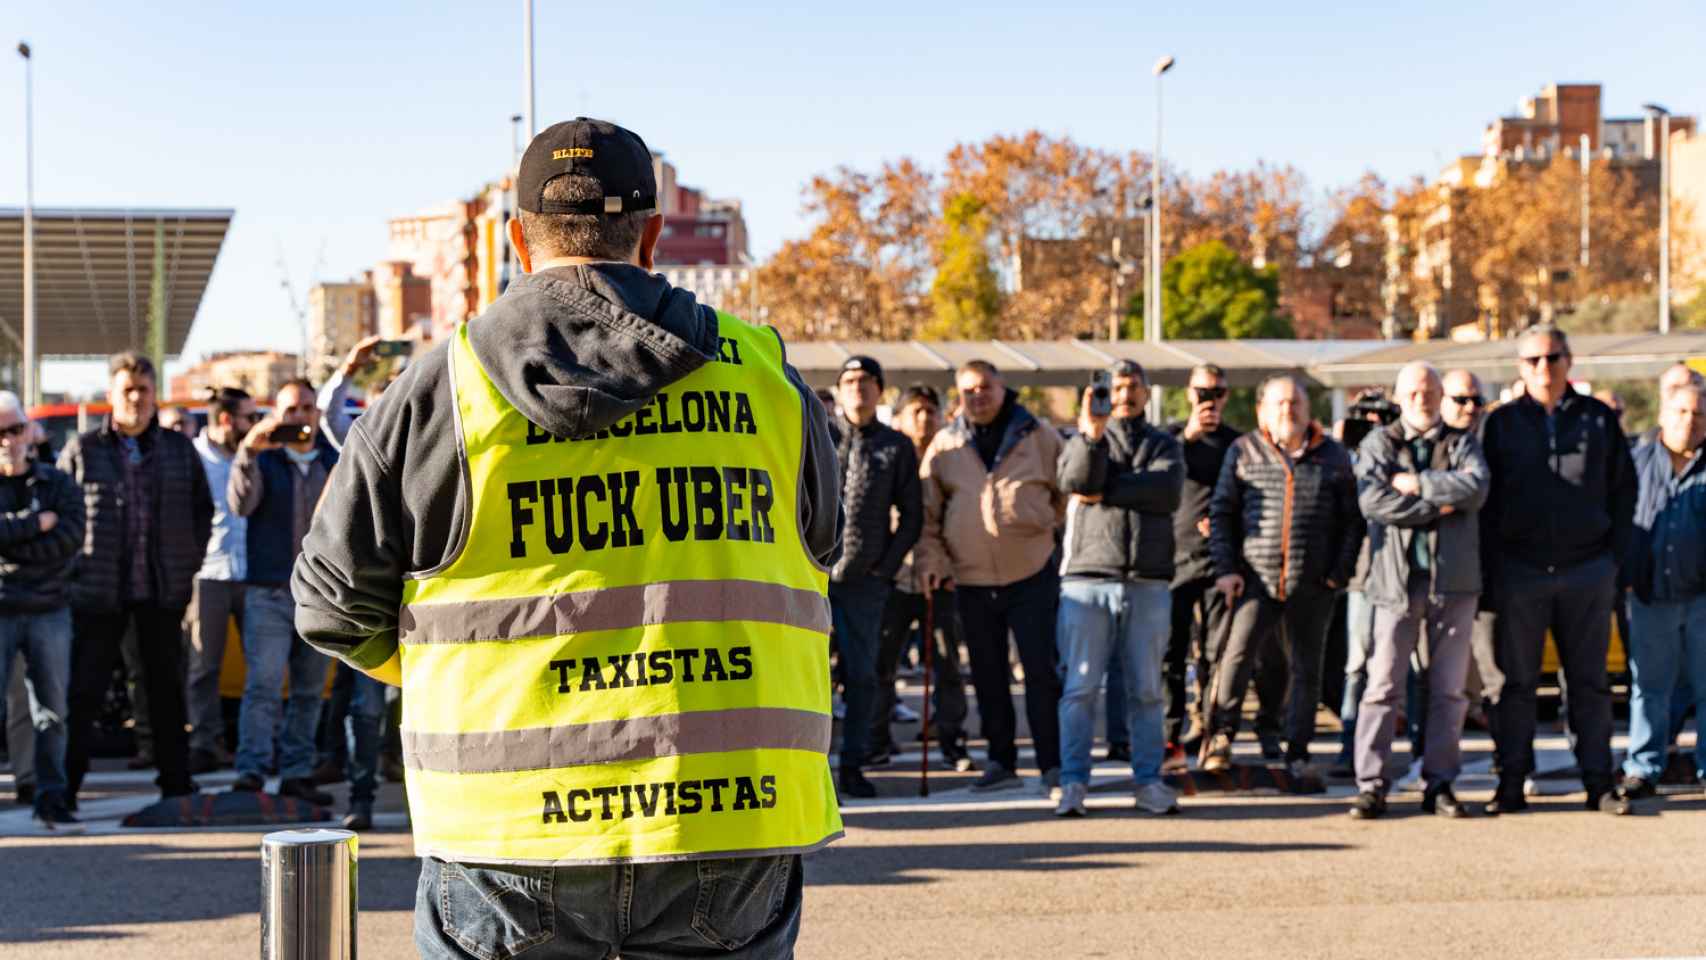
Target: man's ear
519	243
649	240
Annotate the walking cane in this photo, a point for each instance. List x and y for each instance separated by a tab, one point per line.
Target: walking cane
929	644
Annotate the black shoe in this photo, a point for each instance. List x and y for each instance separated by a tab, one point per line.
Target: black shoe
302	788
1368	805
1119	753
329	772
1271	749
996	776
854	784
360	815
1440	801
26	795
203	761
1637	788
53	817
248	783
879	757
1505	801
1613	802
954	755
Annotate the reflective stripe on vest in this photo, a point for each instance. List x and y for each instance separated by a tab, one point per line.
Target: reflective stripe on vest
627	659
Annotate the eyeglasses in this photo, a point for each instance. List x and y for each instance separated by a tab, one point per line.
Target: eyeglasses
1549	358
1472	400
15	430
1206	394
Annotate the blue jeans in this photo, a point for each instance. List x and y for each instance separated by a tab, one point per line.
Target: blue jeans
1113	700
270	647
743	908
1666	639
45	641
1095	617
366	710
856	609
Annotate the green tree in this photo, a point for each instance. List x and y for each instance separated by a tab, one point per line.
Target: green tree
1208	293
965	295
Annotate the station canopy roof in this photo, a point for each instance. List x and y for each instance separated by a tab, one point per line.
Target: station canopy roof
94	273
1332	363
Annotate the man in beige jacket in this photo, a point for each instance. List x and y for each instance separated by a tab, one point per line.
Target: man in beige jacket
991	506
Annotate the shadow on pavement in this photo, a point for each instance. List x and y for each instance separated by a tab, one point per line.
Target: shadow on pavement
861	866
182	886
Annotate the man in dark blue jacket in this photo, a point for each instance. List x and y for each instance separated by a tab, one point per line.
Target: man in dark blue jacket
276	483
1667	572
1558	518
41	527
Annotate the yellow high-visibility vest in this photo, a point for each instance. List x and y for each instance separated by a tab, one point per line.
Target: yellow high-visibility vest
627	659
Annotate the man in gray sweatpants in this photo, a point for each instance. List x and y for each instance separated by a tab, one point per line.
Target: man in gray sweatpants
1420	483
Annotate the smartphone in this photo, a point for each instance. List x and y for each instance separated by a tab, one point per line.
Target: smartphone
394	348
290	433
1101	399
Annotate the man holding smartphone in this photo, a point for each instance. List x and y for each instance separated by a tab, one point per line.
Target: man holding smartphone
276	479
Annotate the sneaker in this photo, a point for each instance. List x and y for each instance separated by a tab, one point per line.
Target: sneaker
302	788
1218	757
1530	787
1072	801
1637	788
1271	749
1300	769
853	784
996	776
1119	753
1611	801
248	783
1411	781
1157	798
1368	805
1174	762
1049	783
360	815
904	714
955	755
54	818
1440	801
1508	798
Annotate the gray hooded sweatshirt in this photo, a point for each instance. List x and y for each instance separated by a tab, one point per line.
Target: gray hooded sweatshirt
574	349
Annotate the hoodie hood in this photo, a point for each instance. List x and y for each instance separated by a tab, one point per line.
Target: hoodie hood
576	349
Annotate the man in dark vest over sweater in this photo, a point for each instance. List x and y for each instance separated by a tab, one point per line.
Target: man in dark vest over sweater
149	517
276	482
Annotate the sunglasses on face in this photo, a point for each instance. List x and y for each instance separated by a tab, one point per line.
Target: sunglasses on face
1472	400
14	431
1207	394
1549	358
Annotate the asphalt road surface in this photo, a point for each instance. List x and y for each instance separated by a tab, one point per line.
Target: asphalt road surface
960	875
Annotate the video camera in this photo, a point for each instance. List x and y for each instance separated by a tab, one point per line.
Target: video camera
1370	409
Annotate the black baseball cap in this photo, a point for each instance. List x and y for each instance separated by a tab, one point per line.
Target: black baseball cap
617	158
863	364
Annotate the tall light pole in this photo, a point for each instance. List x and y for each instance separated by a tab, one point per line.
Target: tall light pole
1152	327
1664	212
1586	150
527	63
32	394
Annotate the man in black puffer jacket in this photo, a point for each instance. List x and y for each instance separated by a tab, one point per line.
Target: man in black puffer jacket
149	517
879	478
1284	533
1124	477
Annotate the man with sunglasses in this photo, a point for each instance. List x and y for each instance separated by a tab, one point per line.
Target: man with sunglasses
1559	516
1465	403
217	594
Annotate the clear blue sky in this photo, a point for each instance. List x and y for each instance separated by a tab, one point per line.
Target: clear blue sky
317	121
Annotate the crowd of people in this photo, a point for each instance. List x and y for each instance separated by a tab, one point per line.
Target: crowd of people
1457	534
140	547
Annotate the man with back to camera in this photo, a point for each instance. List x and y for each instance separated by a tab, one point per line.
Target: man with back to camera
1124	477
1555	525
879	477
590	537
1420	482
1284	531
149	517
992	502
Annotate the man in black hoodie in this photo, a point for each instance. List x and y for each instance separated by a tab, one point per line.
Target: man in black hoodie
578	359
1558	517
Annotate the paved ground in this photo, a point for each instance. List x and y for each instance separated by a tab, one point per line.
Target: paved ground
963	876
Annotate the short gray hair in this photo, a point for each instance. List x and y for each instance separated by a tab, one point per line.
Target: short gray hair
1548	330
9	403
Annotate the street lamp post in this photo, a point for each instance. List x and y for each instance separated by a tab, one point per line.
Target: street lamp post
1152	326
1663	116
527	62
31	389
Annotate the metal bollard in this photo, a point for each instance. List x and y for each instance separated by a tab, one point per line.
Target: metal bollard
308	895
